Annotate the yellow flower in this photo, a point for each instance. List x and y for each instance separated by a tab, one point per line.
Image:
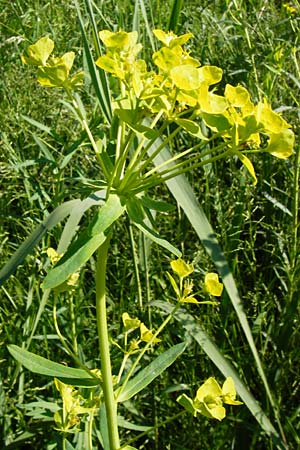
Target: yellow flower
147	335
181	268
212	284
210	398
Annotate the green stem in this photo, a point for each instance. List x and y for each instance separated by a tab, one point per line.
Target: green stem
90	431
295	210
73	325
101	313
65	344
136	267
174	171
148	345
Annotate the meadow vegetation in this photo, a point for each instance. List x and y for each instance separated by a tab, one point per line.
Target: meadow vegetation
45	160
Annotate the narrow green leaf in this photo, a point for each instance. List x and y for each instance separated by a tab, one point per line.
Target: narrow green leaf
104	438
187	403
191	127
129	447
147	25
86	244
43	366
132	426
44	146
151	234
78	254
157	205
126	116
174	16
149	373
37	124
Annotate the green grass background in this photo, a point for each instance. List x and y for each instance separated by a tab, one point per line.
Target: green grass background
256	43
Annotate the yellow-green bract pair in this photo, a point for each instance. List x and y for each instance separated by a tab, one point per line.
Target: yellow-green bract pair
210	398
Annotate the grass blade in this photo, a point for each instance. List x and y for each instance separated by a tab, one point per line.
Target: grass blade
174	16
59	214
185	197
214	354
98	77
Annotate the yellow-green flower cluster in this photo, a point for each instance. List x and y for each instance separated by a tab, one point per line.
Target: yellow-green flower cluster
182	85
180	91
210	398
184	289
67	419
52	71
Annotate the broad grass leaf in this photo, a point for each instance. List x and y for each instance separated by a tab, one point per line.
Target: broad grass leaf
87	243
149	373
43	366
174	19
69	446
59	214
95	199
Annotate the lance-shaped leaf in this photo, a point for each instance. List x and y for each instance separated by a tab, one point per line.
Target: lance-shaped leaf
191	127
86	244
148	232
153	370
43	366
248	164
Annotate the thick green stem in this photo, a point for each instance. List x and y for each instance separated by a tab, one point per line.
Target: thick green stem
109	399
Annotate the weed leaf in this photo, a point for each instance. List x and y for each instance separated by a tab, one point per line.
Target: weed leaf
43	366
